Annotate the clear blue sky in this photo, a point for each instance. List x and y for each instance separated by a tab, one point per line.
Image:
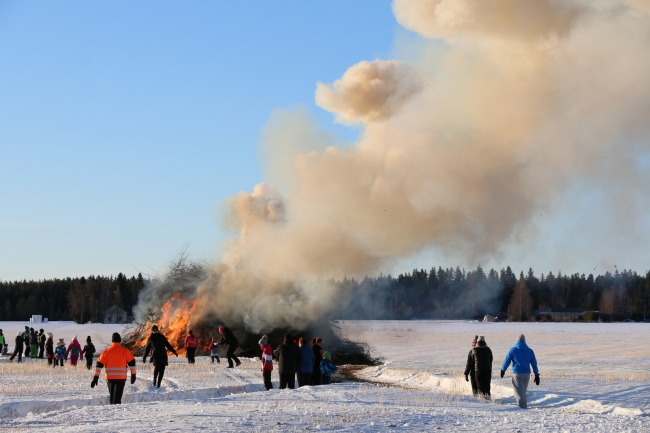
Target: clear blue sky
123	125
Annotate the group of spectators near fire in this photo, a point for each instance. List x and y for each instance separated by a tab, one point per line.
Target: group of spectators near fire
479	368
41	345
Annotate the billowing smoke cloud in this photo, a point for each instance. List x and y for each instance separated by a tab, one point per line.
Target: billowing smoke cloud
460	151
369	91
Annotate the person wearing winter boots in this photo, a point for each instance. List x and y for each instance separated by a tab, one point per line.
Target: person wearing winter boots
88	351
227	337
116	360
288	356
317	349
522	358
481	358
470	371
306	366
74	350
214	350
18	348
3	343
158	346
41	343
60	353
191	343
49	349
327	368
267	361
26	336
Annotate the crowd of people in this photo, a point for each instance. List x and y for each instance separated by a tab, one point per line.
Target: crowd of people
478	369
40	345
309	363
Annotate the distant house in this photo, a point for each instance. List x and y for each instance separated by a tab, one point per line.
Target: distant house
561	314
115	315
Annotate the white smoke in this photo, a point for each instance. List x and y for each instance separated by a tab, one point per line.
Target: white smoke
458	154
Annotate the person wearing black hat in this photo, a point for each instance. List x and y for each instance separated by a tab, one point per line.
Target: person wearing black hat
88	351
159	345
116	359
470	370
481	357
288	356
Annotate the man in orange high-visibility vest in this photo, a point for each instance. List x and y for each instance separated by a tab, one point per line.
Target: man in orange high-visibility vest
116	360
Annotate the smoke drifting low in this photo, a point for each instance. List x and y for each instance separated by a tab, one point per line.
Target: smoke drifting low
460	150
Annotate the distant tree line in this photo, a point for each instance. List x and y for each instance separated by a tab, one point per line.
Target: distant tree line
80	299
457	294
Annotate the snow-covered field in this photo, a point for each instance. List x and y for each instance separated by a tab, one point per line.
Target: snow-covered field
594	378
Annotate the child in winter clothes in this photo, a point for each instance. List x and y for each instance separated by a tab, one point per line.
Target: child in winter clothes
59	353
191	343
327	368
214	350
74	350
2	343
267	362
49	348
88	351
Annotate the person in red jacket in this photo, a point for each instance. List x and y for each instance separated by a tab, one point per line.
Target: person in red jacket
116	360
267	362
74	350
191	343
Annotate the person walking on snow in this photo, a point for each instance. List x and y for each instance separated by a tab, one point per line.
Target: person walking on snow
522	357
227	337
88	351
158	346
191	343
49	349
74	350
470	375
288	356
327	368
60	353
267	361
480	358
306	366
41	343
116	360
317	349
214	350
18	348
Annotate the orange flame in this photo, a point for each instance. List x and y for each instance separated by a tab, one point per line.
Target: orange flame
173	322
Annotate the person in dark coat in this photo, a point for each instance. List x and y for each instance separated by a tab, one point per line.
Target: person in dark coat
470	375
317	348
288	356
18	349
227	337
88	351
159	344
306	366
41	343
481	357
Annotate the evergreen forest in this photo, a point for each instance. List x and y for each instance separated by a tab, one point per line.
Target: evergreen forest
435	294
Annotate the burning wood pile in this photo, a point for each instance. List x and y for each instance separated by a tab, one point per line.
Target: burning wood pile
185	310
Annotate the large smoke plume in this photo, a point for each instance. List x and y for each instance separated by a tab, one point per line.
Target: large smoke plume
508	104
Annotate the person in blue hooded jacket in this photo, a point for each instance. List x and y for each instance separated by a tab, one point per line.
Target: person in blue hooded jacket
522	358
